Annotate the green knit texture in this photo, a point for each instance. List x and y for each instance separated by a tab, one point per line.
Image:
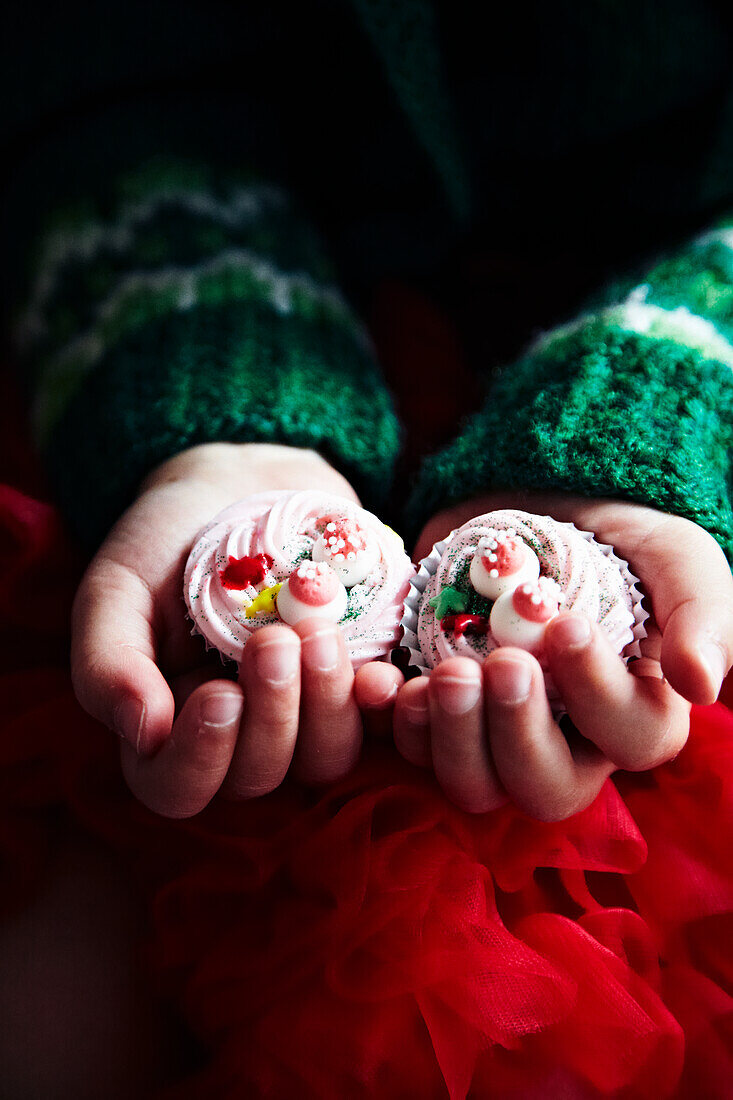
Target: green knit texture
183	307
220	372
599	412
235	276
698	277
701	279
165	219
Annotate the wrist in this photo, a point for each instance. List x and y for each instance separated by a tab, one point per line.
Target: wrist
443	522
247	468
617	519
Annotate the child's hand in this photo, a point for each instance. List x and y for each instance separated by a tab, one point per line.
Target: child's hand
187	730
488	731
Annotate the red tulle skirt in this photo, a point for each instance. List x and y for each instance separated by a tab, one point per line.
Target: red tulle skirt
373	941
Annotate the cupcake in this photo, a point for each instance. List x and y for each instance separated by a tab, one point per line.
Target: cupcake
500	578
286	556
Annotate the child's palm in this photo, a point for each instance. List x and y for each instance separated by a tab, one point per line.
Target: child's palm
488	732
187	730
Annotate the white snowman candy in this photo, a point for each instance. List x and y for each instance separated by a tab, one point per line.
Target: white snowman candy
501	563
350	550
313	590
519	616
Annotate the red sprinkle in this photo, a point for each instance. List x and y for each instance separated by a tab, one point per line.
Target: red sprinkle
241	572
465	624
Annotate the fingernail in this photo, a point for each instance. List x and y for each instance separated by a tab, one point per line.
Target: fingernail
128	721
277	662
389	696
509	681
220	709
570	632
321	650
457	695
417	714
714	660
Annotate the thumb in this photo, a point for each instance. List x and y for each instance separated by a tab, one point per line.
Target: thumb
113	665
691	589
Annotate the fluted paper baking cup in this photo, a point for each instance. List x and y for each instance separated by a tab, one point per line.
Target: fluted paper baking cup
626	636
426	569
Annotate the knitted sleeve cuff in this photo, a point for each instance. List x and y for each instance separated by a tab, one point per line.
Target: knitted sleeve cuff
633	400
199	311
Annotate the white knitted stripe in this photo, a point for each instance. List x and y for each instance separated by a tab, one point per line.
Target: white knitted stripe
721	236
635	314
244	205
181	287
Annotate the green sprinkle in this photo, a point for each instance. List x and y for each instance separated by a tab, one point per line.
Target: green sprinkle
448	601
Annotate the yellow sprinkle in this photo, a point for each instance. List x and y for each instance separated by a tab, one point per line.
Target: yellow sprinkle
402	543
264	604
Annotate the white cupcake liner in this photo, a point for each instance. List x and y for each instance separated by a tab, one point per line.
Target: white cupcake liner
429	566
426	569
227	662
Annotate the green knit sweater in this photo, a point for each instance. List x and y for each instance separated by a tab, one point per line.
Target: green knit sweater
184	295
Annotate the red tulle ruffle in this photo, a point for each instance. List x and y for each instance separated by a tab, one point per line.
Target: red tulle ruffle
373	941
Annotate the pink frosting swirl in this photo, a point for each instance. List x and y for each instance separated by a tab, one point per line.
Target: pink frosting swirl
283	526
590	577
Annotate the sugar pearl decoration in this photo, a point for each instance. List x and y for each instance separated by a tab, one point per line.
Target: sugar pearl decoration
313	590
350	551
502	562
519	616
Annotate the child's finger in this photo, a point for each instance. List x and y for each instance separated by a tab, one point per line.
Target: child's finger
187	771
637	722
186	683
411	722
532	756
113	664
459	745
697	643
691	589
329	739
270	677
376	685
